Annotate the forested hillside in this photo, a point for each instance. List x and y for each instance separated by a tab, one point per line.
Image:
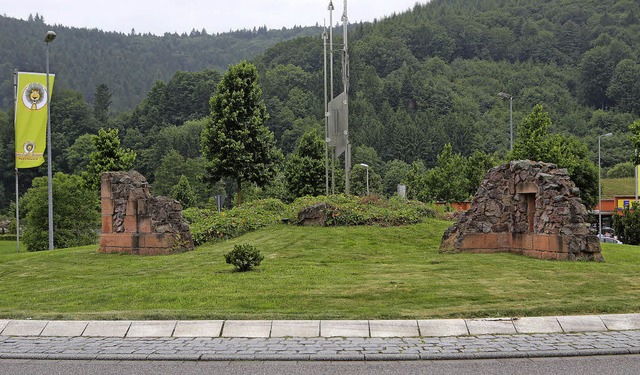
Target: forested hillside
419	81
129	64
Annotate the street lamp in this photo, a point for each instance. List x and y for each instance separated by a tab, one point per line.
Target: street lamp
509	97
600	186
366	166
48	39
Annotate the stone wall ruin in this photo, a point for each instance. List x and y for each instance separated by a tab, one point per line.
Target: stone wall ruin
528	208
135	222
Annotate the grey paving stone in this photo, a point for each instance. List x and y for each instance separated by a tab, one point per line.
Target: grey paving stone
490	326
60	328
443	327
3	324
107	328
246	328
24	327
544	324
295	328
160	328
394	328
584	323
344	328
620	322
204	328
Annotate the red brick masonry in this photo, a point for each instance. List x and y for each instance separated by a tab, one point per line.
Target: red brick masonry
135	222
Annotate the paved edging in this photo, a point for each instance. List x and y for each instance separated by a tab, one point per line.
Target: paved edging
319	349
319	328
324	357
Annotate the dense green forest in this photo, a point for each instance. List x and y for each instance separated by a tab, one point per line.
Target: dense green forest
420	80
129	64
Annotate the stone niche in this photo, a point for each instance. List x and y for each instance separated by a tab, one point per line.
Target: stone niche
135	222
527	208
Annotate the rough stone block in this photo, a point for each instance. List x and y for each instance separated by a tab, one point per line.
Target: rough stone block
130	224
132	207
144	225
115	240
156	240
107	224
106	205
105	186
521	241
541	242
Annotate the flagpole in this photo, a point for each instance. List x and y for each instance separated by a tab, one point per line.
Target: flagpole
17	216
345	82
15	97
48	39
326	119
333	154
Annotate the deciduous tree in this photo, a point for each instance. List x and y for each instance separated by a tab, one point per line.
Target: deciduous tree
109	156
75	214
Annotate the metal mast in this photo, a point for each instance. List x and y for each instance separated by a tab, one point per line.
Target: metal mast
345	82
326	119
333	156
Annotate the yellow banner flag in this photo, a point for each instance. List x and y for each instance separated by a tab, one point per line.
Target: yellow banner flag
31	118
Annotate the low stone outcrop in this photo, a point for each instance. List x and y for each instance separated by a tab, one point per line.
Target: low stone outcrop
315	215
135	222
529	208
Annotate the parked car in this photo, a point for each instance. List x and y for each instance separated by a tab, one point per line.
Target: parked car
609	239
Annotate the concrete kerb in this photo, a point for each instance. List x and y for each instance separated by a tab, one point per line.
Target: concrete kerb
322	328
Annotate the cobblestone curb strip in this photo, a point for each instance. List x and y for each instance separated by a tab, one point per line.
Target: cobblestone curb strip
319	349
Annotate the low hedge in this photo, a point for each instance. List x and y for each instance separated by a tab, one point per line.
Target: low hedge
208	225
7	237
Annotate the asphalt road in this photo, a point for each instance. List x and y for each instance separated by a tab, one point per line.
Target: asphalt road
611	365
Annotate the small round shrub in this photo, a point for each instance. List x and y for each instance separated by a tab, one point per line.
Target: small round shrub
244	257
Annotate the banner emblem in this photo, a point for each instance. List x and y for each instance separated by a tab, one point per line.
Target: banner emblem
34	96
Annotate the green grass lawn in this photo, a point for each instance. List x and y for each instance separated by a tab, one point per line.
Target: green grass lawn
315	273
618	186
8	247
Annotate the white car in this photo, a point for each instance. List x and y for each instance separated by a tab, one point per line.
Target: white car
606	239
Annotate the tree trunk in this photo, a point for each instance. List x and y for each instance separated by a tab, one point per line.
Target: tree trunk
239	192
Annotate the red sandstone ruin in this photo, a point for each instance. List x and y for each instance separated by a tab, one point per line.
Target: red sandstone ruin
528	208
135	222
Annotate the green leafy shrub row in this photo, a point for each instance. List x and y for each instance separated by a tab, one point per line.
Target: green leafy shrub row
208	225
345	210
7	237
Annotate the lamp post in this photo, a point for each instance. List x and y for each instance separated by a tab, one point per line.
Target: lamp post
366	166
600	186
509	97
48	39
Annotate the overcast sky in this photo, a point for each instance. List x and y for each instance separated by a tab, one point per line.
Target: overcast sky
180	16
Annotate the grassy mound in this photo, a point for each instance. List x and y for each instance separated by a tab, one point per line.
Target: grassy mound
208	225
